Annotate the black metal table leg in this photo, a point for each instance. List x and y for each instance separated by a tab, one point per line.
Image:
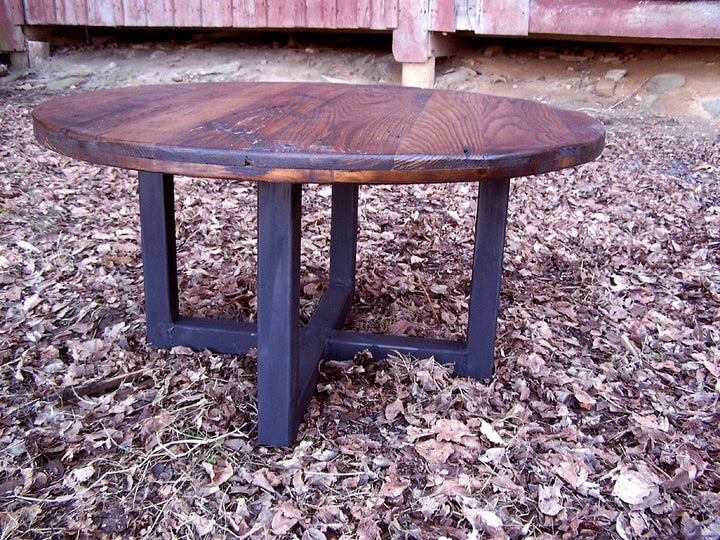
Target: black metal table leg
343	238
490	223
166	328
474	357
157	227
278	320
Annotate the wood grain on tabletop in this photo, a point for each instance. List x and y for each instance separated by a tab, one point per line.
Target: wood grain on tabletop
309	132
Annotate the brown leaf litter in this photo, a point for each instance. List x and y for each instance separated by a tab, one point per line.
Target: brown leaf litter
601	420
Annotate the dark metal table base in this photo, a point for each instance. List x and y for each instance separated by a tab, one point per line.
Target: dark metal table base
289	356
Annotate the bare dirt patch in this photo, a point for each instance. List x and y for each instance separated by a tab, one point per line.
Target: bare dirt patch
601	419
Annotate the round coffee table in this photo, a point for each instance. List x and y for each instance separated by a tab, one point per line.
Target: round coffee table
283	135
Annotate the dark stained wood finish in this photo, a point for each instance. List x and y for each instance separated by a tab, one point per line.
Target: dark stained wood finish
306	132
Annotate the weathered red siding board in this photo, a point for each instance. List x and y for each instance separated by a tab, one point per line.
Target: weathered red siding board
328	9
100	13
504	17
349	14
135	12
213	14
161	12
243	14
442	15
285	13
364	7
315	13
411	38
249	13
188	13
627	18
76	11
392	13
411	20
378	18
11	19
39	12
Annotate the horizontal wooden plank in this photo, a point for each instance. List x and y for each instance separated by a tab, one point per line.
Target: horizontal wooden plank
668	19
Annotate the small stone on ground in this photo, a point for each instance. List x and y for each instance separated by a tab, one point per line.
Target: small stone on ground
712	107
605	88
665	82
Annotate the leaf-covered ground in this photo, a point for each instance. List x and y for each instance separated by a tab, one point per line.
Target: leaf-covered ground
601	420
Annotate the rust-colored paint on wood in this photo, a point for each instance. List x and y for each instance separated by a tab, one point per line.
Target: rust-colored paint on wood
135	12
378	15
442	15
503	17
188	13
347	13
39	11
304	132
212	14
11	20
119	12
243	15
392	10
286	14
318	14
411	40
699	19
161	12
75	11
330	14
101	13
363	18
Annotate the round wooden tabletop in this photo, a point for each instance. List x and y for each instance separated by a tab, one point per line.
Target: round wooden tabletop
310	132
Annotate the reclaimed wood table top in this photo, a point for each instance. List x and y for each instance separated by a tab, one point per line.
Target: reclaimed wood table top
316	132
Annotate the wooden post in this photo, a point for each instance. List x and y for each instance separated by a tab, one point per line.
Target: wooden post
419	74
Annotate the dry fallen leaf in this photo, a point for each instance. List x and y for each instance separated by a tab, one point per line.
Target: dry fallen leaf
435	451
550	501
635	488
83	474
486	521
394	409
570	469
489	432
585	400
394	487
451	430
285	519
219	472
203	525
